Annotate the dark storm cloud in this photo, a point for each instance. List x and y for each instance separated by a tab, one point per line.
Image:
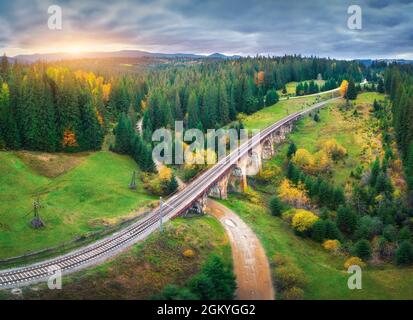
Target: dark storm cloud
316	27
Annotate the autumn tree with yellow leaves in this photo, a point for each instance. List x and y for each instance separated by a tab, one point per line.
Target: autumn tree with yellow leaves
303	220
293	195
334	149
343	88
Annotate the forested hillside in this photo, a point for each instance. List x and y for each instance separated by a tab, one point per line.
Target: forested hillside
53	107
211	94
399	85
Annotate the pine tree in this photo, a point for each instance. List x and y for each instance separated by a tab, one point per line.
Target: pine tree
170	186
193	111
362	249
318	232
404	254
29	112
275	206
91	131
375	170
221	279
232	104
292	172
124	135
351	91
346	220
380	86
338	197
211	107
4	68
292	148
8	126
324	193
47	137
332	231
409	166
67	106
178	107
249	101
147	160
223	109
383	184
271	97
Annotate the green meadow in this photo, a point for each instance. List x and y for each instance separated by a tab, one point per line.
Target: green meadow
79	194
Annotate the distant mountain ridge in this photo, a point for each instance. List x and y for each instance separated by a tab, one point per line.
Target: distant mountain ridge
369	62
115	54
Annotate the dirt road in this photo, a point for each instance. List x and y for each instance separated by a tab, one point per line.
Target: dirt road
251	265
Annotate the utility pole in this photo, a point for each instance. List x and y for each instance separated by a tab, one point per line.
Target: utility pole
162	204
36	207
132	184
160	214
37	222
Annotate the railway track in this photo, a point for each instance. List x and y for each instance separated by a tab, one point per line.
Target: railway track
175	206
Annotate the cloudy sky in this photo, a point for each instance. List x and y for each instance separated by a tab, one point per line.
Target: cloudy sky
309	27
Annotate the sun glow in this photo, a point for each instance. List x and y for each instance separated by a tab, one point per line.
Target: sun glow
74	50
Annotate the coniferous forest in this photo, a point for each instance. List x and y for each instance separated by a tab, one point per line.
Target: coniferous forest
398	83
59	107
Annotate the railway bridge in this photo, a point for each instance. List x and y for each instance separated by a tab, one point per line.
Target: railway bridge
229	173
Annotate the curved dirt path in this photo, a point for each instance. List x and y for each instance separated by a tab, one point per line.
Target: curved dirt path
251	266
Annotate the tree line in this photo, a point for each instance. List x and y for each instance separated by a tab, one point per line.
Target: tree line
56	107
212	93
398	84
50	109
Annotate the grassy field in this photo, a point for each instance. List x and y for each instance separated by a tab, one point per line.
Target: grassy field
291	86
79	194
146	268
351	132
267	116
326	276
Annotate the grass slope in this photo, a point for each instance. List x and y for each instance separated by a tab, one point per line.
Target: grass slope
92	195
267	116
351	132
325	273
146	268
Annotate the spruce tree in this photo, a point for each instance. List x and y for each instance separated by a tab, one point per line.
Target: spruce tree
8	126
380	86
346	220
362	249
271	97
178	107
4	68
318	232
292	148
223	109
47	136
91	131
404	254
351	91
124	135
275	206
193	111
375	171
